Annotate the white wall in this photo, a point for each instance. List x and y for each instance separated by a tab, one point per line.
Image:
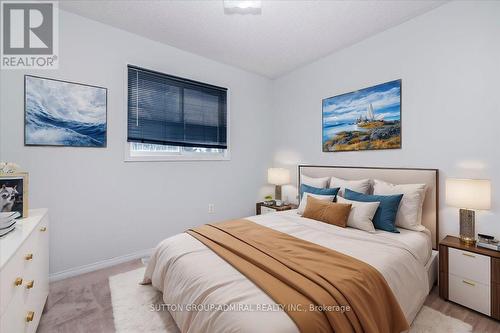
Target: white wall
100	206
449	61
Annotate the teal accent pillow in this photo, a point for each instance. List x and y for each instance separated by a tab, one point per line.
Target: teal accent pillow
317	190
385	216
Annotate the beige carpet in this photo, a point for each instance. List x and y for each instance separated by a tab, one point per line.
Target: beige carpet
132	310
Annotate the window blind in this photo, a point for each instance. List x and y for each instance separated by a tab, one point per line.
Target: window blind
168	110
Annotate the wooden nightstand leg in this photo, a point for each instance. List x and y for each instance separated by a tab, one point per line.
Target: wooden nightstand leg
443	272
495	288
495	300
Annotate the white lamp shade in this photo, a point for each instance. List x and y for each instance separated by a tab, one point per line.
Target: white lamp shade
468	193
278	176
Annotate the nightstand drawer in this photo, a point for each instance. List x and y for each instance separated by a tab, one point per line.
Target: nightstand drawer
471	294
266	210
469	265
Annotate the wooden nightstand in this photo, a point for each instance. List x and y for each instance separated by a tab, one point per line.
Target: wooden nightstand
470	276
261	209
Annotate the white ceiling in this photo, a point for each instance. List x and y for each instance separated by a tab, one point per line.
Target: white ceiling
286	35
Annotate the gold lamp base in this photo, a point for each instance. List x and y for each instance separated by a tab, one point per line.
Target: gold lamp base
467	226
277	192
467	240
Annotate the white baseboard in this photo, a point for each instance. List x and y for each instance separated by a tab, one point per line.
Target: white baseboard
99	265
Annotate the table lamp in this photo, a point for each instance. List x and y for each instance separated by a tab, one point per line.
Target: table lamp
278	177
468	194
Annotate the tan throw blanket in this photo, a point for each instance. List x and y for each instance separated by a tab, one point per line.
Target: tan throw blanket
321	290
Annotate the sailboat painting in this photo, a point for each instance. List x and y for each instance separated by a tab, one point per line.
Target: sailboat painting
366	119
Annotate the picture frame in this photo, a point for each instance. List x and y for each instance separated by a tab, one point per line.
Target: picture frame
14	193
64	114
365	119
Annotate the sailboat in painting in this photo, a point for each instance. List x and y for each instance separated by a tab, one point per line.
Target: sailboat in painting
369	117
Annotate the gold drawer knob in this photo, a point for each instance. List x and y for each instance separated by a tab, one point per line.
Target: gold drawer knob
30	284
468	255
29	316
43	229
29	256
18	281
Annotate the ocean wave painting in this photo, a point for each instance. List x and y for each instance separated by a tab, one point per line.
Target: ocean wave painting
365	119
60	113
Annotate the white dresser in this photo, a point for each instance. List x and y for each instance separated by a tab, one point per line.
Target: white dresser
24	273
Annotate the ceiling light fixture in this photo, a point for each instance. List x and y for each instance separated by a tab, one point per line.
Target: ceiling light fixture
242	6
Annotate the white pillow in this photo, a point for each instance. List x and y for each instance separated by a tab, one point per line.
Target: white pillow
314	182
361	186
303	202
410	208
361	214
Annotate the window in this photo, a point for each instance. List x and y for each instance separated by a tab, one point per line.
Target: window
174	118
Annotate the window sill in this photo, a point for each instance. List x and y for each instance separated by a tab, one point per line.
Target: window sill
176	158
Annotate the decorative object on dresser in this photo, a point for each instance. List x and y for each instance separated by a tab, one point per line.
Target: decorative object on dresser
470	276
468	194
261	208
8	167
278	177
24	273
268	200
8	222
488	242
365	119
14	192
62	113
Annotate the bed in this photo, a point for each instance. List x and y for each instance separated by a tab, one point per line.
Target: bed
188	272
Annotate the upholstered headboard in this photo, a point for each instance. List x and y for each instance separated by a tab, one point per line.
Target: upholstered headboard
430	216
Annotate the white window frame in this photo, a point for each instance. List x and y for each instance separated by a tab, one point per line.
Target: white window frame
173	156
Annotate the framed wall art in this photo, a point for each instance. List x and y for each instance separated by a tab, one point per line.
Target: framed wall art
366	119
62	113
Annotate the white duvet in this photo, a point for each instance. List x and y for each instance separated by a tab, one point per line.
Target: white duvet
187	272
